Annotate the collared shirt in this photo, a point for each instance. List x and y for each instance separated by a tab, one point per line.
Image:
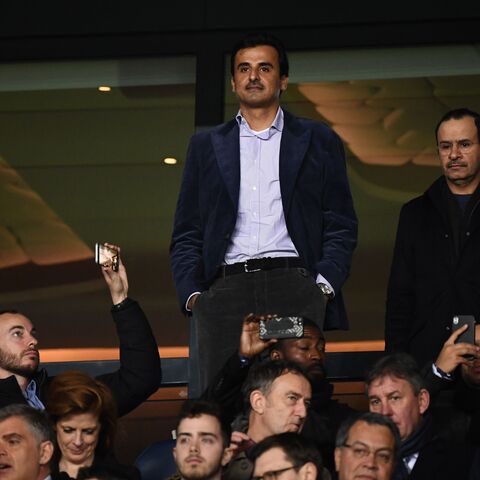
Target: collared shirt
260	229
410	462
31	396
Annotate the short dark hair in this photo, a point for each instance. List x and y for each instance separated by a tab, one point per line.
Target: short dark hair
398	365
262	375
371	418
196	408
298	449
256	39
458	114
11	311
37	420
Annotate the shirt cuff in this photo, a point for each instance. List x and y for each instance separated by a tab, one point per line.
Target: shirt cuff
321	279
438	372
188	299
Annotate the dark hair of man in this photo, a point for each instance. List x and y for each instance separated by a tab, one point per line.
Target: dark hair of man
37	420
257	39
458	114
297	449
262	375
397	365
12	312
370	418
196	408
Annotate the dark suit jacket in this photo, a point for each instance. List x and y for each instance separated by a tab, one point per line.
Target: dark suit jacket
434	274
316	200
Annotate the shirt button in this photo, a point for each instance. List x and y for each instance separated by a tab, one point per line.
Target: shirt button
254	188
467	234
446	235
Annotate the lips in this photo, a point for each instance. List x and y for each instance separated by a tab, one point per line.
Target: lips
194	459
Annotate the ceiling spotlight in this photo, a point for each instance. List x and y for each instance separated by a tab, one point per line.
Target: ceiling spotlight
104	88
170	161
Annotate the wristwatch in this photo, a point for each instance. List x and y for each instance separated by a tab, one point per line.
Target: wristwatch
326	290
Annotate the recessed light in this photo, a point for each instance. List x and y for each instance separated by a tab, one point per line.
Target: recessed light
170	161
104	88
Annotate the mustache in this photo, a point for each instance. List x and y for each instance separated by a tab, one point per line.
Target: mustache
454	163
29	350
254	83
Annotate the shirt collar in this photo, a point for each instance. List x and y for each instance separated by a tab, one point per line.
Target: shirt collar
277	124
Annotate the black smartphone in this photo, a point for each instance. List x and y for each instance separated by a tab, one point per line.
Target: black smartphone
106	256
468	336
281	327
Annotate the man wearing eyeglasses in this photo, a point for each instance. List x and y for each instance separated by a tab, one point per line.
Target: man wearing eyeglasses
286	456
436	262
366	447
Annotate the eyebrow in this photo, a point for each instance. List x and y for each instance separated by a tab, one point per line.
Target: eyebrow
261	64
202	434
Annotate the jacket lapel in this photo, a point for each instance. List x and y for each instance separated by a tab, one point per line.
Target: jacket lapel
226	144
293	147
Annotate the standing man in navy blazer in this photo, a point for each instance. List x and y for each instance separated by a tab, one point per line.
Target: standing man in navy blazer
265	220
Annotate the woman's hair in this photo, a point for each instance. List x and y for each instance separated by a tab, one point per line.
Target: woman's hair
72	393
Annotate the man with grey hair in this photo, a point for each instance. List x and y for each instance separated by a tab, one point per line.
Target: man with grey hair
366	447
26	443
278	395
396	389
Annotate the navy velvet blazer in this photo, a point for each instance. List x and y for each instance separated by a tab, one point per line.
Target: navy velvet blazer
316	200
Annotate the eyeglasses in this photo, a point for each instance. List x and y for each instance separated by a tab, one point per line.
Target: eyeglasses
463	146
383	455
274	474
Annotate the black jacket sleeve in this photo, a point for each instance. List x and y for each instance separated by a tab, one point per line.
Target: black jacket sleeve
139	374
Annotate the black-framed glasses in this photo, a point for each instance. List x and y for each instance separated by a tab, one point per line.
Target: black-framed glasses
463	146
382	455
274	474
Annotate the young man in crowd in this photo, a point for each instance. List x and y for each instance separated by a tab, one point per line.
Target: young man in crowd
21	380
202	440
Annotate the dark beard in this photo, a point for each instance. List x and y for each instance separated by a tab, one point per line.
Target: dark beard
10	363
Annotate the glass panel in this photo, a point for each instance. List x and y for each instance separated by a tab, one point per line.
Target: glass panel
79	166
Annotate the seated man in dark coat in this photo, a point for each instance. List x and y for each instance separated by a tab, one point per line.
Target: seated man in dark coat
396	388
139	374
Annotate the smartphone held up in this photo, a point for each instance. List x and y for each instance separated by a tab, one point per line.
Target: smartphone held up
107	256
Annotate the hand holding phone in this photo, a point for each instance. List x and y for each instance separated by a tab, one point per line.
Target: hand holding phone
468	336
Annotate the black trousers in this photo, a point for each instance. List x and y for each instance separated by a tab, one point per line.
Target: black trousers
217	315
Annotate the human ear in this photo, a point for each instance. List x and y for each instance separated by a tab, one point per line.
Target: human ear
308	471
423	400
46	452
257	401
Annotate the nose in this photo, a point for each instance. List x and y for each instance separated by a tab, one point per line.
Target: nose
253	74
386	410
454	151
301	410
77	439
193	446
370	461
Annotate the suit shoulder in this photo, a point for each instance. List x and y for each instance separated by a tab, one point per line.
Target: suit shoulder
319	128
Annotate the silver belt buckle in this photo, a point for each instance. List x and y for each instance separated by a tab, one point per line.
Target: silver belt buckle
250	270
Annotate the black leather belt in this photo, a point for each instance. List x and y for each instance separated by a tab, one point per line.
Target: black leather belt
257	264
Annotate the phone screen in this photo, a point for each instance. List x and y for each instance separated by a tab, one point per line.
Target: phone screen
106	256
